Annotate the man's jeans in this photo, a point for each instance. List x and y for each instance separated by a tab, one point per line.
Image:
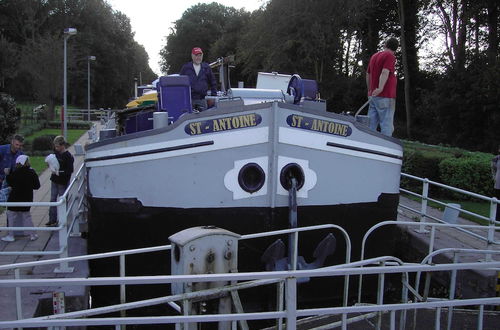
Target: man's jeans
55	191
381	111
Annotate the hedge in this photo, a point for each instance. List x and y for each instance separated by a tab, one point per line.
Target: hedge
461	169
79	124
471	173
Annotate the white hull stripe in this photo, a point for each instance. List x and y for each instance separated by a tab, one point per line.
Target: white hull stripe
179	147
339	145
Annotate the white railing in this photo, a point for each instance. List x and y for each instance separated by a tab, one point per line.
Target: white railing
71	210
424	212
70	203
83	114
487	252
411	299
122	254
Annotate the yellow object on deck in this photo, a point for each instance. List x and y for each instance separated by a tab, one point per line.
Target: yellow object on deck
143	100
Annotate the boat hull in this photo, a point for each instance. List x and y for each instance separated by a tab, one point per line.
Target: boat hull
144	187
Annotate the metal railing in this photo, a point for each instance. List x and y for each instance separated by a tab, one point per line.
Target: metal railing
430	253
71	209
423	213
286	279
411	300
83	114
122	254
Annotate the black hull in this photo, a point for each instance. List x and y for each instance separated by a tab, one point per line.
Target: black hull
116	226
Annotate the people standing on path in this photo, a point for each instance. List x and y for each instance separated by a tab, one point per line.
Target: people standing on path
495	171
381	82
200	76
60	179
23	180
9	154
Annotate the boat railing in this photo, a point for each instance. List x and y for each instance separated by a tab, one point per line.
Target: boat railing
287	313
71	210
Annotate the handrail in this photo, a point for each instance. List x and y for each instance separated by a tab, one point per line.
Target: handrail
288	276
66	205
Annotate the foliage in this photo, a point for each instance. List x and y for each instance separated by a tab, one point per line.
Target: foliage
471	173
28	130
43	142
451	166
213	27
31	52
73	134
9	115
76	124
448	69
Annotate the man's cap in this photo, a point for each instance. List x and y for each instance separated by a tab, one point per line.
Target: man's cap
196	51
21	159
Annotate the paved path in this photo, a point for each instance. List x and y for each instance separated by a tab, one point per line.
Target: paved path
48	241
448	237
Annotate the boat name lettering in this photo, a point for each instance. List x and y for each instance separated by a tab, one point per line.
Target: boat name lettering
319	125
223	124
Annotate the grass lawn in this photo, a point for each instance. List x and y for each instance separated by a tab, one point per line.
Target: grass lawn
481	208
73	134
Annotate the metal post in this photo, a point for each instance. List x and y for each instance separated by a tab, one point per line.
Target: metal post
90	58
292	219
491	227
423	212
291	303
68	32
63	238
65	92
123	298
451	296
19	305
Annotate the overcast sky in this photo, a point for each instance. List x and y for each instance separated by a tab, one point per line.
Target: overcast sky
152	19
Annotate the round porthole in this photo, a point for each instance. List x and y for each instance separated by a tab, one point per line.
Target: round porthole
251	177
290	171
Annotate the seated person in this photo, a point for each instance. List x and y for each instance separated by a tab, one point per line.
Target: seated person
200	77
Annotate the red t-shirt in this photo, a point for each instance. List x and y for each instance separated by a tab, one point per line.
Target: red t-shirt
383	60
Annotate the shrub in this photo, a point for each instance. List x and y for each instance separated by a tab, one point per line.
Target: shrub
451	166
9	115
70	125
42	143
28	130
472	173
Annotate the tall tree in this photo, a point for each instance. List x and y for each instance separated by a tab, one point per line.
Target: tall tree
409	23
200	26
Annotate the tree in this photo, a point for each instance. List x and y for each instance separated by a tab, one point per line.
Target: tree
9	58
213	27
9	117
409	23
31	25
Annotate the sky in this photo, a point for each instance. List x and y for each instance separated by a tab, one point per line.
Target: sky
151	20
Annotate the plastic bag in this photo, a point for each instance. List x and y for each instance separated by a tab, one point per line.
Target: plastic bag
4	192
53	163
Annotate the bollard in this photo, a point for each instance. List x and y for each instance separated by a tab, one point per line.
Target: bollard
451	213
203	250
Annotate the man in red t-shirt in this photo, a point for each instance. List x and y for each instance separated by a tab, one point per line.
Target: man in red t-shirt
381	82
